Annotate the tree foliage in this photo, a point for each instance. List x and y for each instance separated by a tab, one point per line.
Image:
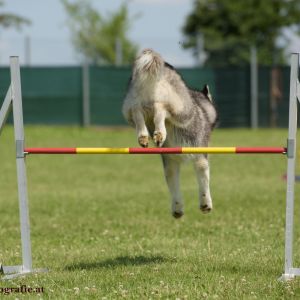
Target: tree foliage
231	27
11	20
95	36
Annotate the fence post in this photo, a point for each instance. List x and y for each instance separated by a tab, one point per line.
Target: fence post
254	87
86	110
27	50
201	55
119	52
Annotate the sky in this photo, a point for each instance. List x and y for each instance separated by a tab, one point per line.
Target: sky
158	26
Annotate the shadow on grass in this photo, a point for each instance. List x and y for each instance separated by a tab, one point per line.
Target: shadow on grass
119	261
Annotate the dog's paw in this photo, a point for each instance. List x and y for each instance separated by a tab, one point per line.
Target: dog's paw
205	208
206	204
159	138
177	214
143	140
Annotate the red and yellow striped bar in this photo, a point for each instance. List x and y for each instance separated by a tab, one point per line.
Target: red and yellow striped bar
50	150
209	150
269	150
102	150
176	150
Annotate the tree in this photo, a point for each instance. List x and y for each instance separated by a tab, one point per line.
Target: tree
11	20
231	27
96	37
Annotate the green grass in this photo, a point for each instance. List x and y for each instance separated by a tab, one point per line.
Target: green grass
102	224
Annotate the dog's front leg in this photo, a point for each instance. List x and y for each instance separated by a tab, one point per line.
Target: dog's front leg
160	133
141	129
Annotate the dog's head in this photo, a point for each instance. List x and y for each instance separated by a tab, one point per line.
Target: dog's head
148	66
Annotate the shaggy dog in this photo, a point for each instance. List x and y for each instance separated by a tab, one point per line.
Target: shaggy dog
160	105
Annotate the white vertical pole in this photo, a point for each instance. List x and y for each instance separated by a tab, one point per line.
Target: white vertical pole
201	55
27	50
86	110
254	88
119	52
21	168
291	155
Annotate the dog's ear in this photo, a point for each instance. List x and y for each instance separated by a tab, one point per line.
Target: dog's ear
206	92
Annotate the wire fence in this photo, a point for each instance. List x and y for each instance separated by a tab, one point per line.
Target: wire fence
64	95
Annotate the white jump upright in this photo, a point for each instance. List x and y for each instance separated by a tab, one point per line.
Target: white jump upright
13	100
289	271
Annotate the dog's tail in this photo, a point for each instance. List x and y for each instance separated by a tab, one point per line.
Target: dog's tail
148	64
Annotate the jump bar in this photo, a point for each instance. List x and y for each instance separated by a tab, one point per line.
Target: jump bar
176	150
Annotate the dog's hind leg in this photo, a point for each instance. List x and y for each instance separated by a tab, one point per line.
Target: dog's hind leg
202	172
171	169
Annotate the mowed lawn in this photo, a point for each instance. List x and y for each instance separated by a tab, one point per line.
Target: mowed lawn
102	224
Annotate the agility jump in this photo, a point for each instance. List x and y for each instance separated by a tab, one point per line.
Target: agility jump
13	100
177	150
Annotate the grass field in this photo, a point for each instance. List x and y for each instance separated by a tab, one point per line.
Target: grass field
102	224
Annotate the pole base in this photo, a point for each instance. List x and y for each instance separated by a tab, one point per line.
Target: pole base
11	272
292	273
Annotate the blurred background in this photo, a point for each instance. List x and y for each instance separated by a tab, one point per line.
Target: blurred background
76	55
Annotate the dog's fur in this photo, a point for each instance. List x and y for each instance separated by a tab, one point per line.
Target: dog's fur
160	105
